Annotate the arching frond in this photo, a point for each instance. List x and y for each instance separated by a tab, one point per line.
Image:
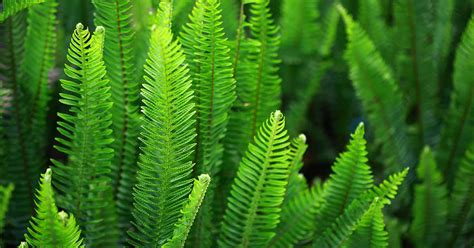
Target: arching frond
11	7
207	52
165	166
351	178
458	127
50	228
5	196
86	138
370	232
119	57
298	147
430	206
253	207
189	212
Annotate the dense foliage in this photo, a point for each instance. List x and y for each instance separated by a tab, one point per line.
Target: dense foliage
161	123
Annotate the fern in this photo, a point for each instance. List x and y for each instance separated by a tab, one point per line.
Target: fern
297	218
253	208
380	96
458	127
208	55
119	58
430	204
51	228
351	178
370	231
339	232
5	196
11	7
168	132
86	138
298	147
189	212
462	197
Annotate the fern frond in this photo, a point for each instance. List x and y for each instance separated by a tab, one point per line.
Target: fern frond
351	178
458	127
5	196
297	148
430	206
462	197
11	7
370	232
253	207
339	232
86	138
50	228
165	166
297	218
207	52
380	96
119	57
189	212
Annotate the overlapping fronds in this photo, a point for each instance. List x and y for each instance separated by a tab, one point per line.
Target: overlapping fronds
165	166
5	195
11	7
214	89
297	218
351	178
430	206
50	228
380	96
119	57
86	138
462	198
189	212
339	231
371	230
458	128
253	206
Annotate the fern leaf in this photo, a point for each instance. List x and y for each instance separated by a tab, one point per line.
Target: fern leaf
5	196
462	197
86	138
298	147
458	127
351	178
11	7
430	205
339	232
206	49
119	57
189	212
297	218
50	228
370	232
380	95
253	208
168	136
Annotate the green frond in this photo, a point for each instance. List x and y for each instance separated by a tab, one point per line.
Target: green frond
119	57
329	26
165	166
189	212
5	196
430	206
297	218
370	232
11	7
208	55
298	147
458	127
50	228
86	138
254	203
341	229
380	96
351	177
462	198
230	11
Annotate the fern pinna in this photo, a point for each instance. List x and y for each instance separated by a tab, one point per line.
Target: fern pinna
165	165
86	138
207	53
119	57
